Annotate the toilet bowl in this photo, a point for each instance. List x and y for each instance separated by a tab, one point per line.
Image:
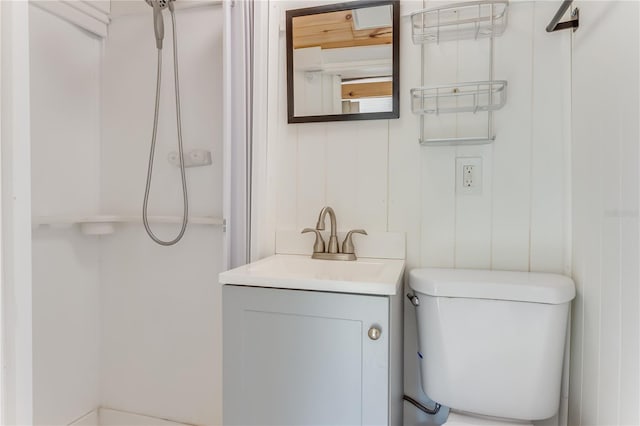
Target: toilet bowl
492	342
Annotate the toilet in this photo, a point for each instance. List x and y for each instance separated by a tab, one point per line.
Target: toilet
491	343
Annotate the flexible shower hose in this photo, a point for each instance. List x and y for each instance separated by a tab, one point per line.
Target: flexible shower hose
185	198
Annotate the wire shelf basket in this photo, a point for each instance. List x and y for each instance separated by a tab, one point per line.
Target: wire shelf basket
460	21
472	96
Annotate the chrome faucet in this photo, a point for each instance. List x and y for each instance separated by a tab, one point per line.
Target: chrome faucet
332	251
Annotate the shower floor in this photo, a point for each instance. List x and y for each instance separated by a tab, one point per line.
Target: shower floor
109	417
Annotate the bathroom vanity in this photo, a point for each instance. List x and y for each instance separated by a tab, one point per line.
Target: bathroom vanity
310	341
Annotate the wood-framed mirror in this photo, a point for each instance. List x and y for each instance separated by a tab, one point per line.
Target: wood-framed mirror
343	61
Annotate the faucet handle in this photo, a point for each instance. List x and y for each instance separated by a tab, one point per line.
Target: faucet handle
347	244
318	245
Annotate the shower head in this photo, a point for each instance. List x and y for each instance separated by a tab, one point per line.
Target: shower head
162	3
158	22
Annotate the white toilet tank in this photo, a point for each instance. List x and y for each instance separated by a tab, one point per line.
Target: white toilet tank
492	342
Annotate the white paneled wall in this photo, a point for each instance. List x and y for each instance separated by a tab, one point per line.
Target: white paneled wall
65	155
377	176
605	364
517	221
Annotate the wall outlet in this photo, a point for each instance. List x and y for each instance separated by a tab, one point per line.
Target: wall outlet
469	175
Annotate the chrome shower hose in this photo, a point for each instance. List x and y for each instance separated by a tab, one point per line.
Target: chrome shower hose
185	198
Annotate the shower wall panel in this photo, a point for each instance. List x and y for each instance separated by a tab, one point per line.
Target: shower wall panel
129	83
161	305
65	149
161	326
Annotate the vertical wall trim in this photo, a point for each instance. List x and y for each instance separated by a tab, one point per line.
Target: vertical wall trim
16	214
327	164
249	21
261	129
597	297
638	219
567	219
533	124
226	129
3	384
568	160
238	131
389	175
569	230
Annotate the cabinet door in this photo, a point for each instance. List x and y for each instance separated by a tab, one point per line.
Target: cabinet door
295	357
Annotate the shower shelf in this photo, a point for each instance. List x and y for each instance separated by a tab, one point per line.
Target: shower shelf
460	21
106	224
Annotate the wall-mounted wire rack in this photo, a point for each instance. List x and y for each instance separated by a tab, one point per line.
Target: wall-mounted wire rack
472	96
460	21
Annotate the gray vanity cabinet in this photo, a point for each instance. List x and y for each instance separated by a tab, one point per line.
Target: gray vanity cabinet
294	357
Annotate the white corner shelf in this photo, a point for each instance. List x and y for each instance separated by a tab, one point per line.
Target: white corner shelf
473	96
106	224
460	21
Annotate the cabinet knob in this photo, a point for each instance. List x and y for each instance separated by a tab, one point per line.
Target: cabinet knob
374	333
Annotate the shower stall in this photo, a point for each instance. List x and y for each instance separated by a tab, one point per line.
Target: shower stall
122	330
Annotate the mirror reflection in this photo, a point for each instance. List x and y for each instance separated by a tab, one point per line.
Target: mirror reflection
341	62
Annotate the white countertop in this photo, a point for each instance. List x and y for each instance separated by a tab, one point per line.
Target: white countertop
362	276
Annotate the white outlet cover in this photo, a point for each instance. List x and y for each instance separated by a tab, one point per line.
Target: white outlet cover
475	186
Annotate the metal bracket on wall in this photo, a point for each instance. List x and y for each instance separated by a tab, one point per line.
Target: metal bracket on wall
574	22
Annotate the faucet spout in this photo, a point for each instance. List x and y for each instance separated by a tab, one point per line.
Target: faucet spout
333	239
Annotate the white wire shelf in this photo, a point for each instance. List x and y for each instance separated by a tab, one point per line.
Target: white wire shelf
475	96
105	224
460	21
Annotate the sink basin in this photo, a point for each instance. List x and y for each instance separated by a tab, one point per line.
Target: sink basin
363	276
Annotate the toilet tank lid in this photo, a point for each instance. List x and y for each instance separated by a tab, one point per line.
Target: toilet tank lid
536	287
